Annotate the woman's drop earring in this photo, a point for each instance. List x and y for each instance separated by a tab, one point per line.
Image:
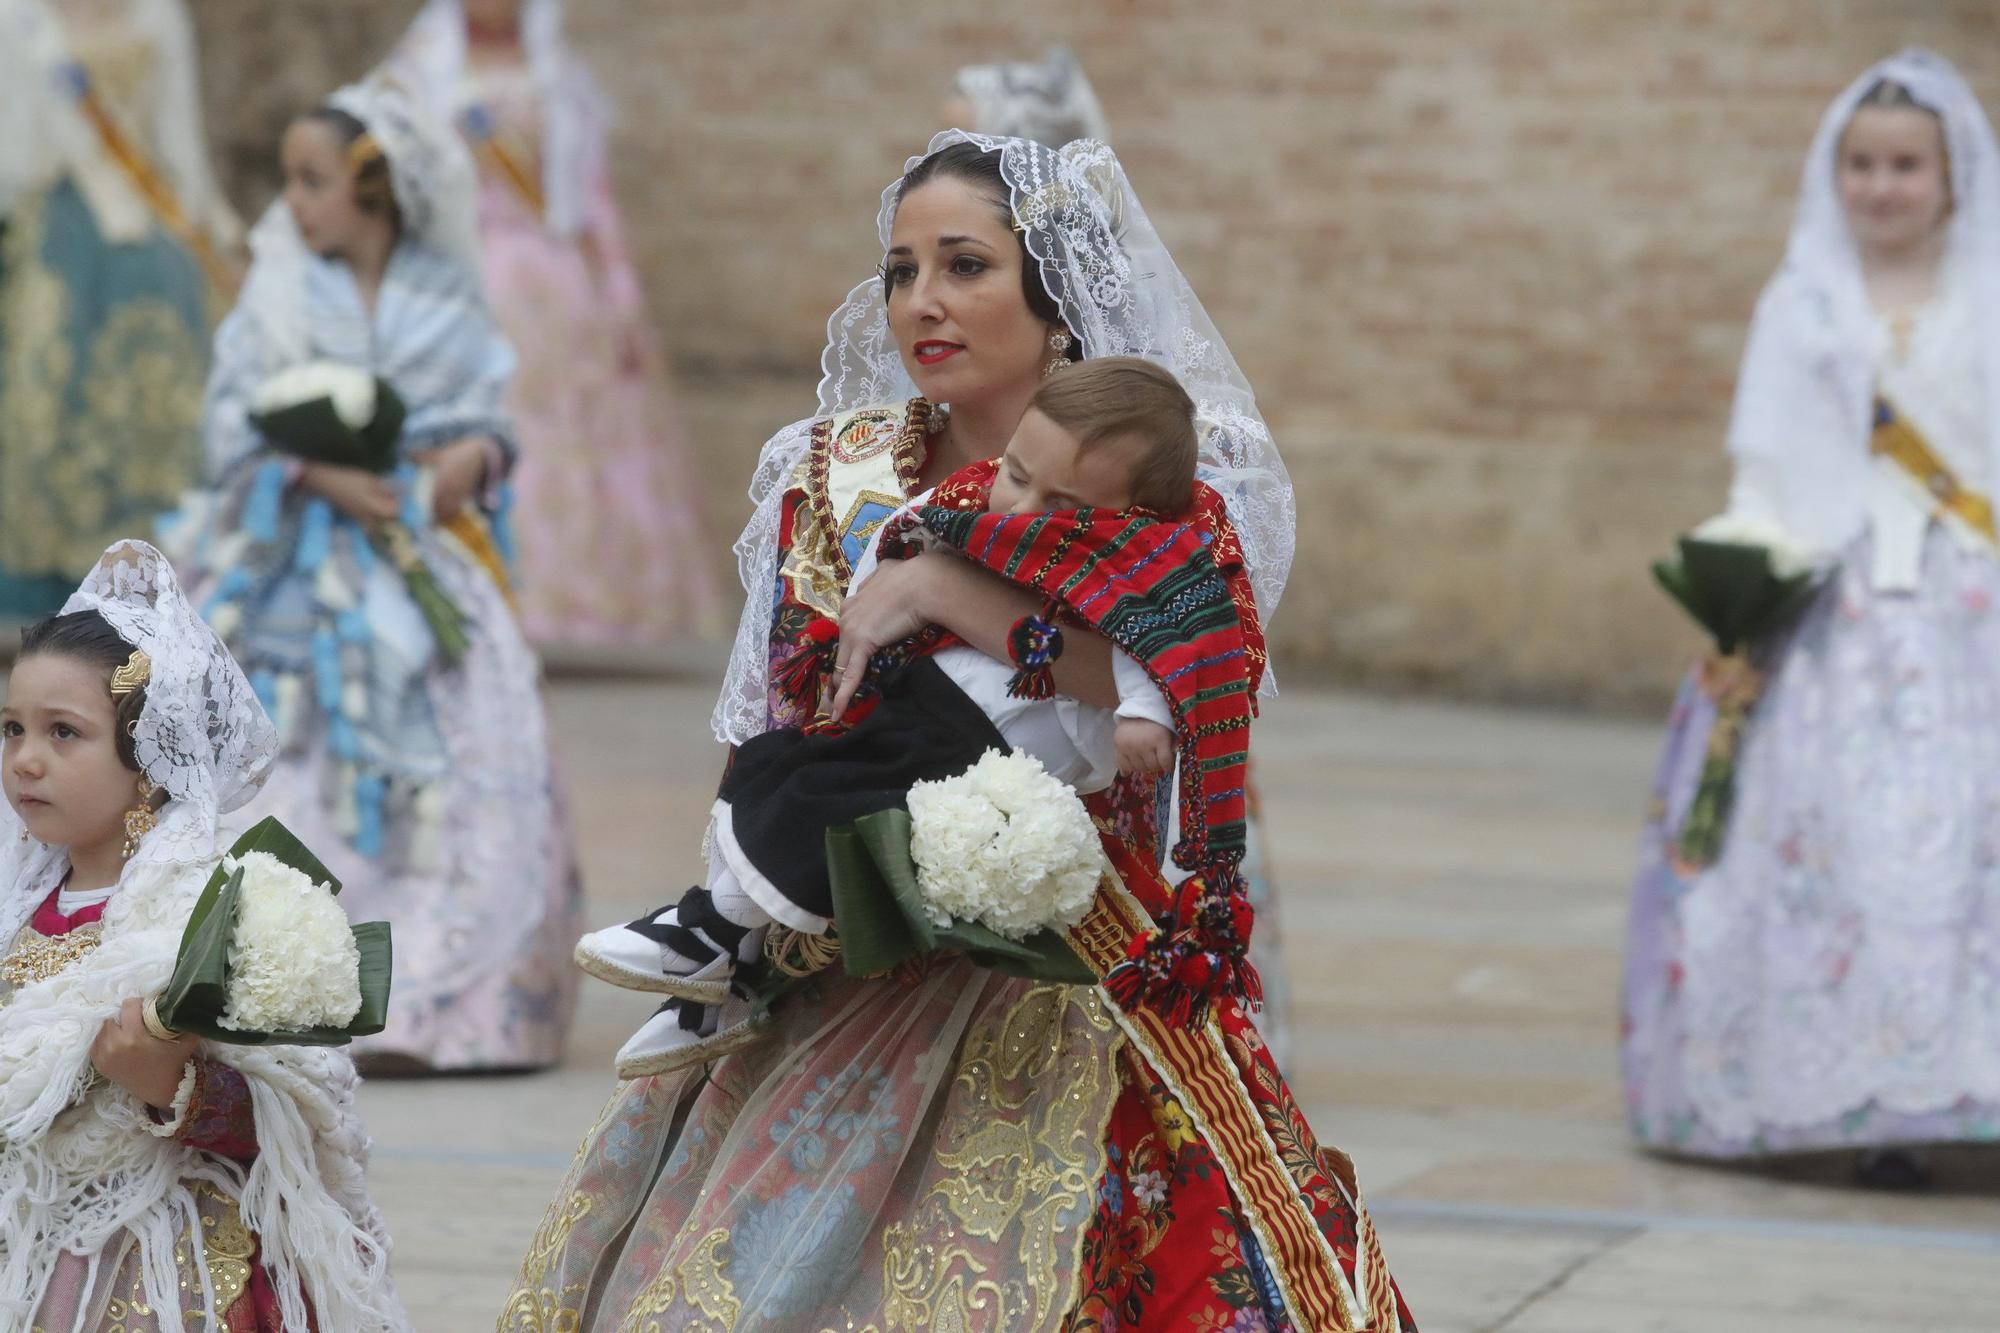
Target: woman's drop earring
1059	342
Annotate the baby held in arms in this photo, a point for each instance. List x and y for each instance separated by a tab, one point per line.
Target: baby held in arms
1112	434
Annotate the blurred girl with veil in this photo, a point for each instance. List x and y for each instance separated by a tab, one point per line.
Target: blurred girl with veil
1832	980
371	609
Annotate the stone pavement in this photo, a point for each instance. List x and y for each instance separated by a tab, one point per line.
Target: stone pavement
1454	882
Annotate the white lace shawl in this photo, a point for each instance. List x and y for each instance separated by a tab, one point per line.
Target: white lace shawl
78	1163
1799	429
1121	294
430	61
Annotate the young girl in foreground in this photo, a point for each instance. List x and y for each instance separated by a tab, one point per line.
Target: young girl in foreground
128	731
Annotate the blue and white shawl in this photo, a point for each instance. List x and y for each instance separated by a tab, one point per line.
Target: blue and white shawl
322	623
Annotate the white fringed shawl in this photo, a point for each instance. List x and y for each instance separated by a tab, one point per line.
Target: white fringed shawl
79	1164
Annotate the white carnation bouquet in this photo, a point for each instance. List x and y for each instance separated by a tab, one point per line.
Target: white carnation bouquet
293	962
1005	845
269	957
996	863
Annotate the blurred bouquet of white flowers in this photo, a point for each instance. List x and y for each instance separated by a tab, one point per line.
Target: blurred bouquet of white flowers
1744	579
1789	557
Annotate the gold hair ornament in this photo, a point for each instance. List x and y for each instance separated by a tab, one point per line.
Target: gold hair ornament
363	151
138	669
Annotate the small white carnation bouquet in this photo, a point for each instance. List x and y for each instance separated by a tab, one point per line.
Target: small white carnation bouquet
269	957
997	863
1745	580
343	415
331	412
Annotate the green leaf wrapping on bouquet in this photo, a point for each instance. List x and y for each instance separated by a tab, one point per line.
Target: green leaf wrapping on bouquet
1732	592
1707	818
198	992
879	911
314	432
440	613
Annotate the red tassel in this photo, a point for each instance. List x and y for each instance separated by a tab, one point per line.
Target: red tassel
1034	644
1204	959
799	678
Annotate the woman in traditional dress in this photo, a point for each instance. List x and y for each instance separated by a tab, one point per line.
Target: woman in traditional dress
608	511
954	1148
421	775
114	242
1833	979
153	1183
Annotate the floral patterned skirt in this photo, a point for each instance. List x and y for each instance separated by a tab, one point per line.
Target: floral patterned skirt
958	1151
103	355
1834	979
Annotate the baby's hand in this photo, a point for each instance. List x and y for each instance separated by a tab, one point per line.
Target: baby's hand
1143	746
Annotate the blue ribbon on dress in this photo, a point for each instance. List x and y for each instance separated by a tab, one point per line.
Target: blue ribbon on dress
315	536
370	792
265	501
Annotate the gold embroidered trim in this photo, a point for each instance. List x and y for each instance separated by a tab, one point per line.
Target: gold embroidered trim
1018	1161
37	957
226	1245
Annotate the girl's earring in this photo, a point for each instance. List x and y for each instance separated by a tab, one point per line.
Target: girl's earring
139	820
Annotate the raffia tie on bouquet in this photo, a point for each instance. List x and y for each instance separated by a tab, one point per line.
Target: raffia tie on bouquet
1734	684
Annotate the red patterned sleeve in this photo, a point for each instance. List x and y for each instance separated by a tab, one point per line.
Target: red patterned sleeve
219	1116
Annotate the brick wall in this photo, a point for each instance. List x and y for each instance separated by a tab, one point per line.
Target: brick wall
1486	262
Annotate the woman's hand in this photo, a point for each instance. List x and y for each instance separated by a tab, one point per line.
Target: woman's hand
891	606
139	1062
363	496
939	588
458	470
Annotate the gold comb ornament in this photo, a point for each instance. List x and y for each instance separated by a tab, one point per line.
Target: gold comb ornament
138	669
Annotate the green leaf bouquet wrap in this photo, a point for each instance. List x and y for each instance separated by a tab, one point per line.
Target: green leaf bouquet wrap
1744	582
995	863
268	957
